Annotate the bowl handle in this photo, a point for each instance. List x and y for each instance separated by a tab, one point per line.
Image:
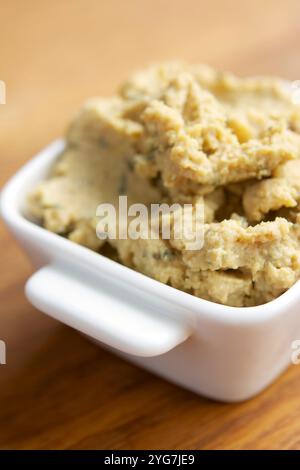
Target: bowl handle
115	317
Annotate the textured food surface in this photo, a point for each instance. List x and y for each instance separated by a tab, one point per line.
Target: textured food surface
187	134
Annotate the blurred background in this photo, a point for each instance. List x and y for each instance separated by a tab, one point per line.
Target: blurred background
57	390
54	54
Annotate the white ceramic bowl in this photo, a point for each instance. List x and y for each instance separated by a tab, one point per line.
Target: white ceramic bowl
225	353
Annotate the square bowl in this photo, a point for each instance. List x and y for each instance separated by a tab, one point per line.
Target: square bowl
225	353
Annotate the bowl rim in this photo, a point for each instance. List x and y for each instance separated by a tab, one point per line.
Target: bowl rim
12	198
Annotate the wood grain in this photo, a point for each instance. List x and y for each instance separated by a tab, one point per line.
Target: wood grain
58	390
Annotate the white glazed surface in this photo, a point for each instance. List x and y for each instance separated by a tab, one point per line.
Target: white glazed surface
225	353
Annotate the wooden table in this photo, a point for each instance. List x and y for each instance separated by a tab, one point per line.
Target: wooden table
57	389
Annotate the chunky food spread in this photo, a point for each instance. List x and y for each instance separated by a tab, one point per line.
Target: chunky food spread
184	134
